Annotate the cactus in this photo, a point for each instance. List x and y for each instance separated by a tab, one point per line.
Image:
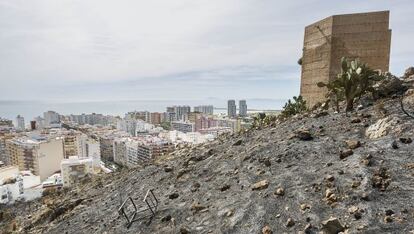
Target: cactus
292	108
354	80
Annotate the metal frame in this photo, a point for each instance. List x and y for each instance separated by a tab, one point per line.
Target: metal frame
150	208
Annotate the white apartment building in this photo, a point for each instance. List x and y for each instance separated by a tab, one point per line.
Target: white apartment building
75	169
20	125
183	126
51	118
205	109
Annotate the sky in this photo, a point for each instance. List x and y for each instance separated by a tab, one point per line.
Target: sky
98	50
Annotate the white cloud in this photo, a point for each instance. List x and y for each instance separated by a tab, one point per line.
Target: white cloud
46	44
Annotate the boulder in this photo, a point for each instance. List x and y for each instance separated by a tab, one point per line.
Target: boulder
332	226
409	72
382	127
304	135
353	144
260	185
266	230
389	86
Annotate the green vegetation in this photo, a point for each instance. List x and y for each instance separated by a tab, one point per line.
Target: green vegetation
354	80
166	125
297	106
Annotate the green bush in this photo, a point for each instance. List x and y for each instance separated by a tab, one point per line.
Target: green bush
297	106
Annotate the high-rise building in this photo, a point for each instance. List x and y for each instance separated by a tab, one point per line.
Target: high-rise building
41	156
242	108
363	36
51	117
231	109
20	123
205	109
180	111
156	118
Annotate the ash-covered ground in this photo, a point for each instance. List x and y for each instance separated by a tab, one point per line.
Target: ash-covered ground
323	171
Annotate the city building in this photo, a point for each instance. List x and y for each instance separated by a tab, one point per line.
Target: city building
142	115
51	118
231	109
40	122
156	118
363	36
183	126
5	123
242	108
205	109
20	123
4	136
145	149
107	147
75	169
120	151
16	185
93	119
41	156
180	112
71	143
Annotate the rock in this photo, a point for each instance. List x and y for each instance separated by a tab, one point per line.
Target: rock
280	192
267	162
353	144
328	193
388	219
195	187
238	142
356	120
332	226
308	229
229	213
346	153
225	187
290	222
168	169
196	206
353	209
260	185
389	212
394	145
365	197
409	72
382	127
330	178
304	206
304	135
381	179
406	140
355	184
389	86
266	230
166	218
184	230
181	172
173	196
358	215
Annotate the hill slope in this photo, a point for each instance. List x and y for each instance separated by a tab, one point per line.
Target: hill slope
303	182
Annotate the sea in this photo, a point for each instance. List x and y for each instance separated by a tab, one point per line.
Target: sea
32	109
